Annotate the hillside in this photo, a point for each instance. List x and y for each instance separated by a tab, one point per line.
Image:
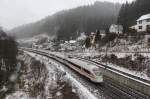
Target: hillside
67	23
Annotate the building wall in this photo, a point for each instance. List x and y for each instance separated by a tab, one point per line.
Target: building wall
143	24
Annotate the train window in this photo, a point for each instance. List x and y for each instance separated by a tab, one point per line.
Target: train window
77	66
86	71
69	56
140	27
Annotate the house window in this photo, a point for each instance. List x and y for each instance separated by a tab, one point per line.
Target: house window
140	27
148	20
147	26
140	22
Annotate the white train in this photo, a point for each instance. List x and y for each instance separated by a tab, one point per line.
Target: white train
90	71
86	69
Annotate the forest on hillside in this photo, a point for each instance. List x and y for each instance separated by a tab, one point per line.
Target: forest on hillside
130	12
68	24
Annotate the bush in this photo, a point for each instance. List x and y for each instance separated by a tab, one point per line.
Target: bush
113	56
109	37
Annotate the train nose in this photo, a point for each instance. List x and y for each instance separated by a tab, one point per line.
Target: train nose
99	79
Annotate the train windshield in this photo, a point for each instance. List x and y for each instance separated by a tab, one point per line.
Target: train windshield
97	71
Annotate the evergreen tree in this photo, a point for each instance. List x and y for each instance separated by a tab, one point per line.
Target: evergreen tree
88	42
97	37
8	53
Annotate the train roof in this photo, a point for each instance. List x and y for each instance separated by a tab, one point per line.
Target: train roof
83	64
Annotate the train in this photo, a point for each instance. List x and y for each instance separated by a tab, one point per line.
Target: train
90	71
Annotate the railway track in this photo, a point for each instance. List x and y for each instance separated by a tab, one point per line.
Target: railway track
132	94
124	89
110	87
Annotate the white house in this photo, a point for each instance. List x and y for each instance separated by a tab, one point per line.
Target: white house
118	29
142	23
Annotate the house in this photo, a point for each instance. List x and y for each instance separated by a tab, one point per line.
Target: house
118	29
142	24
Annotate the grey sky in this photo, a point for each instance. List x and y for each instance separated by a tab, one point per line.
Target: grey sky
17	12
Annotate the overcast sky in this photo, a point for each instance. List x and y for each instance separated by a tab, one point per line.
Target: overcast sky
17	12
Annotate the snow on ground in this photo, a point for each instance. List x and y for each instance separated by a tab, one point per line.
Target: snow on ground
82	91
18	95
88	53
124	54
134	73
